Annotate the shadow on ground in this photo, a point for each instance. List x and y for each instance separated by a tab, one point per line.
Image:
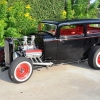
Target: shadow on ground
4	76
84	65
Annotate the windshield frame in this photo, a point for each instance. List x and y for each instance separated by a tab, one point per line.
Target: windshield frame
52	29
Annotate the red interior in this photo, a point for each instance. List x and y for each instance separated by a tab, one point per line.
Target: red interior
92	29
72	31
79	30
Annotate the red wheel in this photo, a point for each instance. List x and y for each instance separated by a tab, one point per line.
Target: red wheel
94	57
23	71
98	59
20	70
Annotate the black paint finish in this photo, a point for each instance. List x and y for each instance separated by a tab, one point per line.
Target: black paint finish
71	48
50	46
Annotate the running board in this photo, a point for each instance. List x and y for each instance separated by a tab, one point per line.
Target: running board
43	64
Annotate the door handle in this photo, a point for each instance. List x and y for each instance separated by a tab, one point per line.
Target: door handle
62	41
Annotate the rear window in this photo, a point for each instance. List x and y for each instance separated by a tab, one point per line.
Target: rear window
71	30
93	28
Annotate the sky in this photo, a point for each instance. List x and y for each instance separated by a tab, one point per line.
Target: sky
92	1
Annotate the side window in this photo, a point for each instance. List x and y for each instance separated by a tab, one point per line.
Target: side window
93	28
71	30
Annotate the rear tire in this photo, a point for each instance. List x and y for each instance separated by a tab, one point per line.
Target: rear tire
94	57
20	70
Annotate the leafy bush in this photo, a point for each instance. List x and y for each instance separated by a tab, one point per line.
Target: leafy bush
19	17
78	9
45	9
3	18
15	20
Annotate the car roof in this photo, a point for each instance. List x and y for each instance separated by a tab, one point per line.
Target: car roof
74	21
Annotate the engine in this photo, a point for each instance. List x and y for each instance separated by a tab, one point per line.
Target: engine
30	48
32	52
27	49
26	45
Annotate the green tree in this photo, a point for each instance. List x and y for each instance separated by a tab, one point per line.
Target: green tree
81	9
44	9
92	10
69	10
3	19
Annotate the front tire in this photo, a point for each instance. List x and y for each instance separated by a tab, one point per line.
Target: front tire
94	57
20	70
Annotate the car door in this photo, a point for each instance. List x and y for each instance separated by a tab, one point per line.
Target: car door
71	43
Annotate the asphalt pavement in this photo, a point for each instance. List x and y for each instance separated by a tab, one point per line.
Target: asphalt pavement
60	82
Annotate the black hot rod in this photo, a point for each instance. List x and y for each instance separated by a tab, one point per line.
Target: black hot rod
55	41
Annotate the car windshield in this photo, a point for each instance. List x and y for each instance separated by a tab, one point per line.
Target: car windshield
50	28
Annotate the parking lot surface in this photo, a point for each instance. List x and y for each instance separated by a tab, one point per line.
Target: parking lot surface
60	82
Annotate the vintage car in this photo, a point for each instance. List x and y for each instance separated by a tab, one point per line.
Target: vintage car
55	42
